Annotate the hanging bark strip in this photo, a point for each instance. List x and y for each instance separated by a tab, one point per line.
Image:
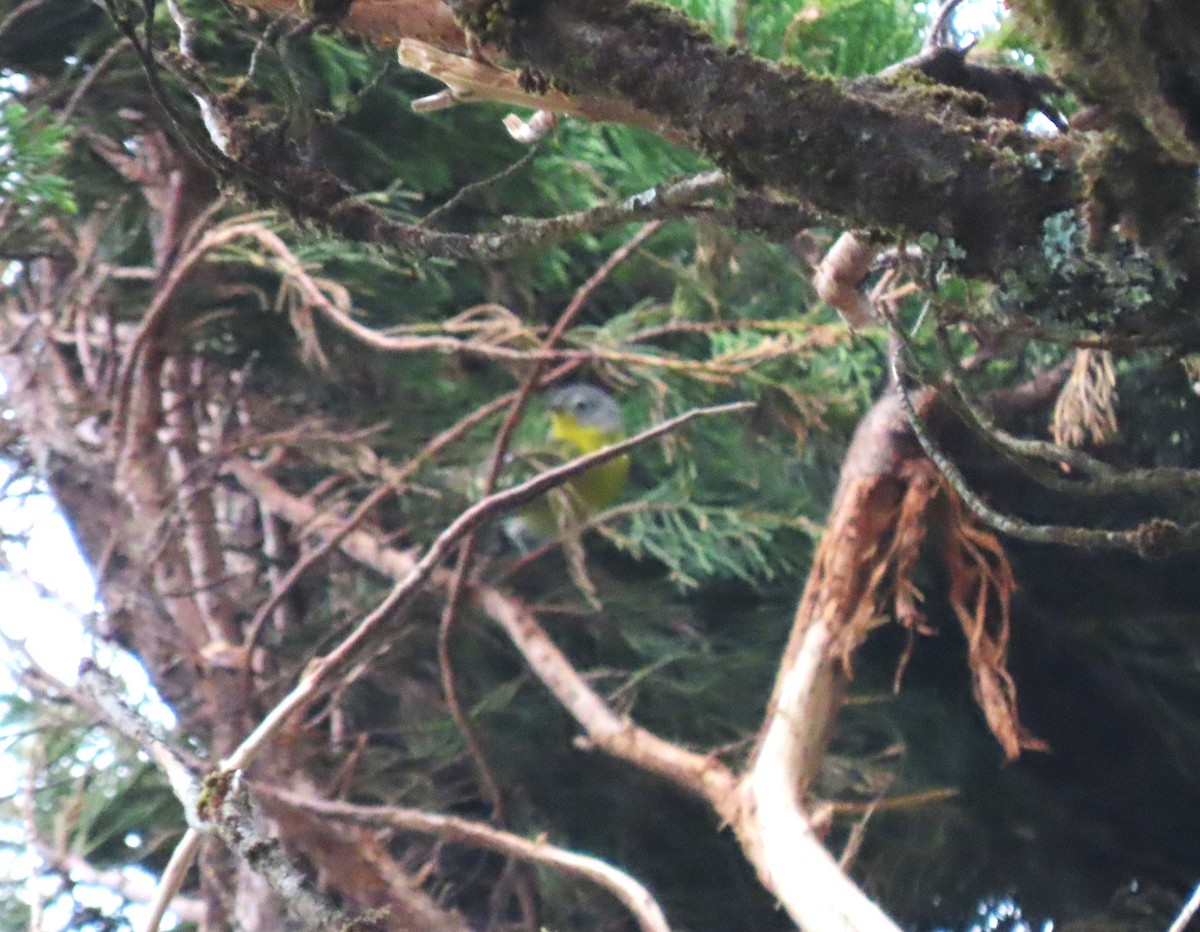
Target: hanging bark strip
981	588
1085	413
888	499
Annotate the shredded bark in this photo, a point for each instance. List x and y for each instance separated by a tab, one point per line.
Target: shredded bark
889	500
1085	412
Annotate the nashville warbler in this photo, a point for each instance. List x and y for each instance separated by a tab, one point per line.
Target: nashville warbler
583	419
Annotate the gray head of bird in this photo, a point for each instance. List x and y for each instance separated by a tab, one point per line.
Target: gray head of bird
579	408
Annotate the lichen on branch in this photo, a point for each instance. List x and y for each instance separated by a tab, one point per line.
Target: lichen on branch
874	153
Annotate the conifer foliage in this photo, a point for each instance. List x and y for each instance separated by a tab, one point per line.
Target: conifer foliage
895	316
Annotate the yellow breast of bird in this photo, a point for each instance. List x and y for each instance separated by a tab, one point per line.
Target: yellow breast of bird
602	485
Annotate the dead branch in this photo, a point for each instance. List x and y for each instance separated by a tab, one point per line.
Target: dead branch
227	811
840	276
841	603
775	827
312	193
791	859
466	553
467	192
316	294
358	861
647	58
888	496
700	775
636	898
99	693
315	679
468	80
938	34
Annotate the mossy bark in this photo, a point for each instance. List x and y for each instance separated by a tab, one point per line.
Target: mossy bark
1140	59
910	158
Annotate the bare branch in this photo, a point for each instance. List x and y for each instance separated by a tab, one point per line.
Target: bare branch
102	692
467	80
776	829
21	9
701	775
1151	539
172	879
636	898
318	676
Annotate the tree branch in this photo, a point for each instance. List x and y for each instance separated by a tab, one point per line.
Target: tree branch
1152	539
636	898
700	775
313	682
877	158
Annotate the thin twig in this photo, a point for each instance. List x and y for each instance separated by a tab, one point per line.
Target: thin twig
355	518
938	35
624	887
22	9
859	832
313	293
1154	538
172	879
85	83
466	554
319	675
1105	479
475	187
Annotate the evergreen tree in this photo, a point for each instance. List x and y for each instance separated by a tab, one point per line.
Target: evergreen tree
286	307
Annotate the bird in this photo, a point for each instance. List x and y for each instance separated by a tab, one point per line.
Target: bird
583	419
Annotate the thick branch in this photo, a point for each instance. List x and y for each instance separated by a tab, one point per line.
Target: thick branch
276	174
386	22
1145	78
776	829
874	155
